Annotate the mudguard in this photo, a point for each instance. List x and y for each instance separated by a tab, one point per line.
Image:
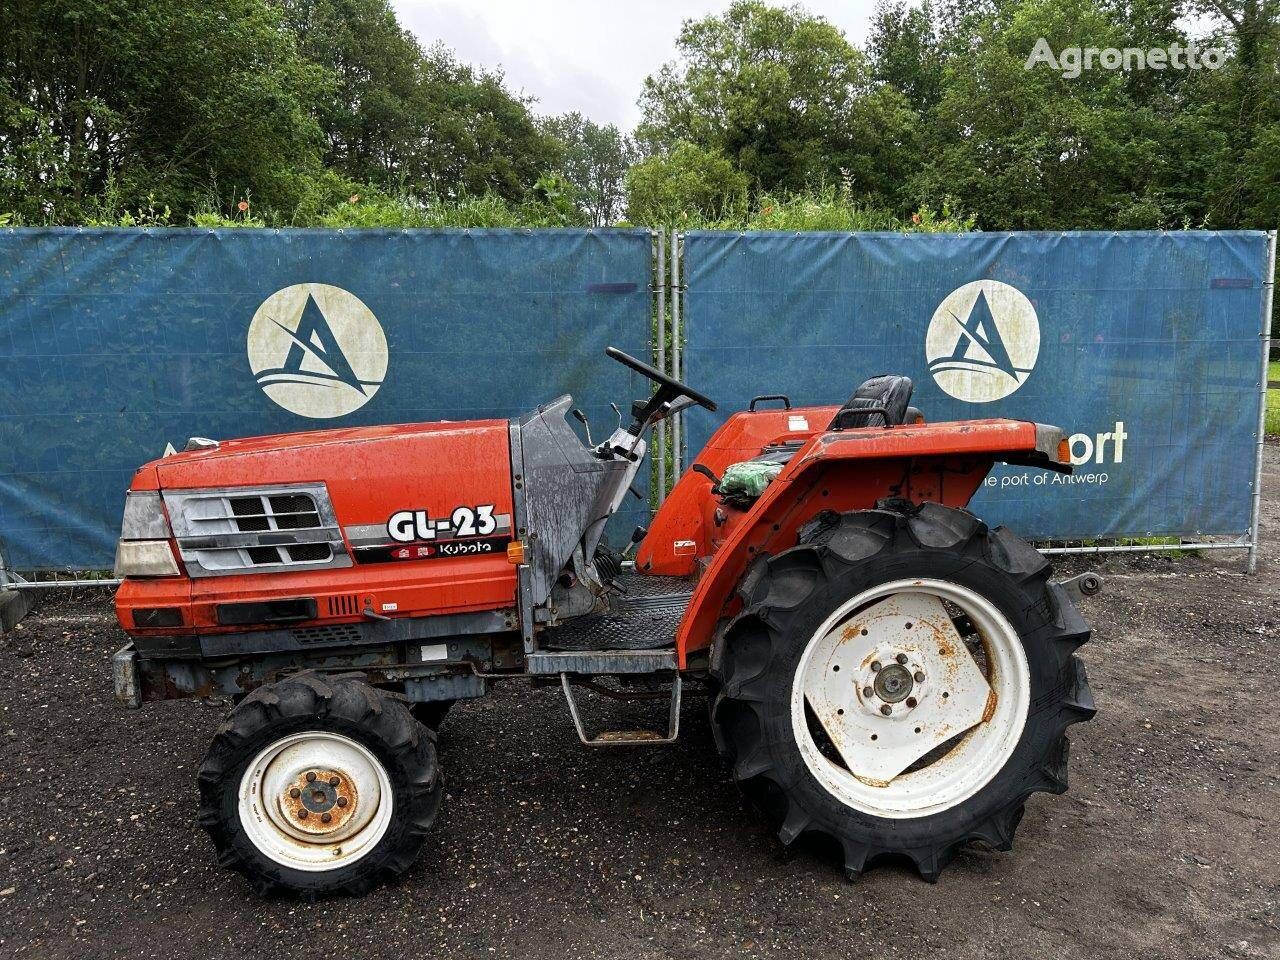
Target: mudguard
851	470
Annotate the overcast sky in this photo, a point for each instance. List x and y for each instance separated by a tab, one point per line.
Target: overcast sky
580	55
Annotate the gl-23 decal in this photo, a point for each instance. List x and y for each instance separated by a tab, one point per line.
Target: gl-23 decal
407	526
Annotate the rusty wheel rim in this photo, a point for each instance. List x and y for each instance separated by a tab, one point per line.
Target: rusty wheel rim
315	800
894	713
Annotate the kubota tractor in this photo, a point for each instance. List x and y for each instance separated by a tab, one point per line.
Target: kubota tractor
881	666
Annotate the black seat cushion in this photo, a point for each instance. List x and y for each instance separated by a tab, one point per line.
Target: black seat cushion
889	392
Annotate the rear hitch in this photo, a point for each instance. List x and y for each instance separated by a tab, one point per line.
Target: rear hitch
1084	585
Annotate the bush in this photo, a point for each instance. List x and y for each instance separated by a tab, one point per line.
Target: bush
686	184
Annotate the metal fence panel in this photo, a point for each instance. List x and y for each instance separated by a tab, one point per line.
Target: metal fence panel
1144	347
114	343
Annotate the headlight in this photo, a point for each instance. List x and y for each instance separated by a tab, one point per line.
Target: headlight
145	558
144	517
143	549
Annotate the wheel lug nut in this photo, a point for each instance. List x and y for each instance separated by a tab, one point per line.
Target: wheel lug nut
919	676
302	814
333	781
911	701
886	709
867	691
901	658
295	793
311	777
326	817
342	801
875	666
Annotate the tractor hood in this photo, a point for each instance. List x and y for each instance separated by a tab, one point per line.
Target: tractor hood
318	455
329	498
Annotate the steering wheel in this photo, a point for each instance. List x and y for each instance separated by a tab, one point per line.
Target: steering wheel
657	376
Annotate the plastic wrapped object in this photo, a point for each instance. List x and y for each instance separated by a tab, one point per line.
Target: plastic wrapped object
747	480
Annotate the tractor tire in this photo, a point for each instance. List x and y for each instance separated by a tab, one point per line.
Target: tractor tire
882	767
317	785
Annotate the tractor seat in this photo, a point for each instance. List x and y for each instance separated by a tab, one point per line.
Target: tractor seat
888	392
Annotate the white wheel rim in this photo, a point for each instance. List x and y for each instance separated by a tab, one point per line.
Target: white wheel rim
315	801
948	699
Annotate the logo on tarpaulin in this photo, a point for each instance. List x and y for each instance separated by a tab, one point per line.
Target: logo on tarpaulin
317	350
983	341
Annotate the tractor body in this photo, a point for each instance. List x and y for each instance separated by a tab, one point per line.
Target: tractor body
307	574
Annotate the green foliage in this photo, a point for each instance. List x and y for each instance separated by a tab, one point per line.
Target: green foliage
224	113
401	117
148	98
686	183
836	210
779	92
548	206
110	107
594	160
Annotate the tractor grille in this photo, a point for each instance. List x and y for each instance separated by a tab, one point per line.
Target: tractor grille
267	530
344	605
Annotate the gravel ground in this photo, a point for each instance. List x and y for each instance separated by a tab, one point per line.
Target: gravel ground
1166	844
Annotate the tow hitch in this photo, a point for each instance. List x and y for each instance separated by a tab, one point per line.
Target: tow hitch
1085	585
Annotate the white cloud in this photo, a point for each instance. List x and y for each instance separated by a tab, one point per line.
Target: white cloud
580	55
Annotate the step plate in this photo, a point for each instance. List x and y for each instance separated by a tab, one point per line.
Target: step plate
645	618
596	662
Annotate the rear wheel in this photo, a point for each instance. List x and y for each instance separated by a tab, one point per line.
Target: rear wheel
318	785
901	681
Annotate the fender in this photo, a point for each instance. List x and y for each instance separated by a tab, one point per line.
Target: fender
684	528
851	470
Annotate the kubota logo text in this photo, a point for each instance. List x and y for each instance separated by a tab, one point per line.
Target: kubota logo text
983	341
317	350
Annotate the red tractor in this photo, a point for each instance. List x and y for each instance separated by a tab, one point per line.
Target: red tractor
881	666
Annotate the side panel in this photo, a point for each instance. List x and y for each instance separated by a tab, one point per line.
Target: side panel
851	470
566	490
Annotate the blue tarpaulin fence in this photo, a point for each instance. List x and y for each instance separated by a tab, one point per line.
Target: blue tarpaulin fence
114	343
1144	347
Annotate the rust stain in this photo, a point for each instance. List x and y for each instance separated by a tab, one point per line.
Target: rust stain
872	781
989	710
317	794
946	649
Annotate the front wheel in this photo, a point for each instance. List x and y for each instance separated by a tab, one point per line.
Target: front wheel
316	785
901	680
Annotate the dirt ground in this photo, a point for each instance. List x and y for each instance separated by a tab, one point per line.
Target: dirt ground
1165	846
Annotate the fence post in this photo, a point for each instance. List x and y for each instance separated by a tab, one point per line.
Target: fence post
1267	304
661	438
678	421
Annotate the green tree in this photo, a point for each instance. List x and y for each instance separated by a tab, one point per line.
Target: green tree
686	183
594	159
401	117
150	102
1241	104
1029	148
906	51
783	95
